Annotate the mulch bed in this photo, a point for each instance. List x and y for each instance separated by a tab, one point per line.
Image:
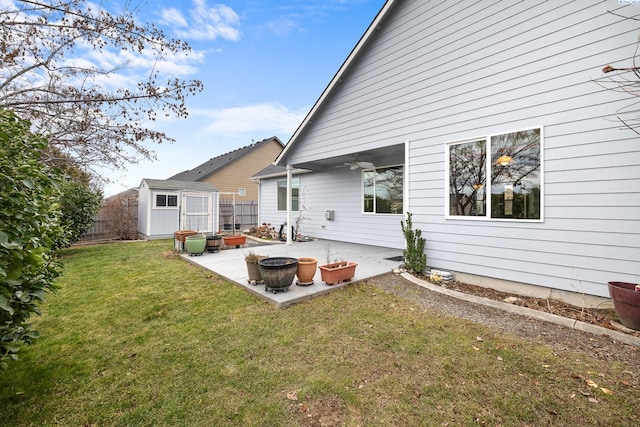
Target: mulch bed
605	318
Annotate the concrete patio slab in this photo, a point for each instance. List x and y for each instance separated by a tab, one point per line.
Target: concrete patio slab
229	263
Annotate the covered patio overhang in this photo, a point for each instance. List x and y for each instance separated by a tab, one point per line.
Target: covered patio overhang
366	159
378	157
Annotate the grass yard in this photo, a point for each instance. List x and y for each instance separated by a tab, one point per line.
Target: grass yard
138	337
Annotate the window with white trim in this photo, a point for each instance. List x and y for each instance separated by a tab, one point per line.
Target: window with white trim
383	190
282	194
509	186
165	200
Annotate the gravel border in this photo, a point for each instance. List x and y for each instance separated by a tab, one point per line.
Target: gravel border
536	314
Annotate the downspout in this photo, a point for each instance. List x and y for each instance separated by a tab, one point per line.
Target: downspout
289	197
405	203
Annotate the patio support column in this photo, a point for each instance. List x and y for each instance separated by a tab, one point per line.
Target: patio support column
289	197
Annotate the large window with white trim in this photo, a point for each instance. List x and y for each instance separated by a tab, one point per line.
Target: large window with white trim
507	186
282	194
384	190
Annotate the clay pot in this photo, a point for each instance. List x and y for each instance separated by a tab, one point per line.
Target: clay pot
234	240
626	301
306	270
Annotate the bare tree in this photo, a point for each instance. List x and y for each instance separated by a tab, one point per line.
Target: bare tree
121	216
73	69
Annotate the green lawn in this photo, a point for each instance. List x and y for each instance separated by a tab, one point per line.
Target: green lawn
137	336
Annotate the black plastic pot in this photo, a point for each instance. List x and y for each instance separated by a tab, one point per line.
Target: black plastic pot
278	272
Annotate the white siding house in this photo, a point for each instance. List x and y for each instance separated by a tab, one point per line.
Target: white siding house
492	123
167	206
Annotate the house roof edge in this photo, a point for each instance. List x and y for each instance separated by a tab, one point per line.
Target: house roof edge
353	55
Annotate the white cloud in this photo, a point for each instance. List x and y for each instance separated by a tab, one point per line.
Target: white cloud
266	118
173	17
206	22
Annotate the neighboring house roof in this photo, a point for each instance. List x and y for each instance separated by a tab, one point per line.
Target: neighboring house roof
177	185
375	26
216	163
131	192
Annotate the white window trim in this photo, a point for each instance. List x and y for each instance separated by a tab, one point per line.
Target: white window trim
165	193
294	179
487	217
404	183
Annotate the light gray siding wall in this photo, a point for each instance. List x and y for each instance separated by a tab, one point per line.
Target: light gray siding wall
164	222
443	71
340	191
143	210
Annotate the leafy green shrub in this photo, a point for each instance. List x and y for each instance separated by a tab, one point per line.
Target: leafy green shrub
415	259
30	232
78	205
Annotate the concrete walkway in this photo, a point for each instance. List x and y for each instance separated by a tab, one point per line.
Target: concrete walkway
230	264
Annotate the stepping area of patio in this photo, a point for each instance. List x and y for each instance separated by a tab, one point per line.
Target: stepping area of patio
229	263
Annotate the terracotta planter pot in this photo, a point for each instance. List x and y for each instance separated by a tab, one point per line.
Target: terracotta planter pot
180	236
234	240
306	270
626	301
338	272
278	272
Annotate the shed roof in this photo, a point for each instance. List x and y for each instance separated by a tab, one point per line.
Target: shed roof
177	185
216	163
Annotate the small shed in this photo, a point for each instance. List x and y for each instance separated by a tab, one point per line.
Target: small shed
166	206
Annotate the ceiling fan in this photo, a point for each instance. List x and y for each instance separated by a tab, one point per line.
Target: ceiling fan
357	164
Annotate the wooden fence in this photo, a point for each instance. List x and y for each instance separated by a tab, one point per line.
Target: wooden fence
100	230
246	216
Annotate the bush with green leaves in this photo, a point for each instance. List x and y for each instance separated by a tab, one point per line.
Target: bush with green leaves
78	205
415	259
30	231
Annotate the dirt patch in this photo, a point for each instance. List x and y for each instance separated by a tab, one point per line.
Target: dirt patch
328	411
171	254
561	338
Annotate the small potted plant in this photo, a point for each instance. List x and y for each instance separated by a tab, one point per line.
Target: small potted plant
338	272
253	269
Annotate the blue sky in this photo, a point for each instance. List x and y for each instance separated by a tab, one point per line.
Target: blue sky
263	65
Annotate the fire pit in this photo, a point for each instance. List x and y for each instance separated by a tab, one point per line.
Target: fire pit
278	272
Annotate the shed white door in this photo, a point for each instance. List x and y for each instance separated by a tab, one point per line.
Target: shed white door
197	212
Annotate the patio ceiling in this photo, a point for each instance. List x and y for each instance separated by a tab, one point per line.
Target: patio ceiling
392	154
